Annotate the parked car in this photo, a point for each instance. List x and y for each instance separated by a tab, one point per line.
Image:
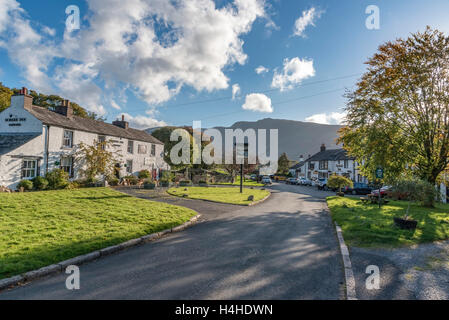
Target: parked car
253	177
266	180
291	181
279	178
306	182
322	184
358	188
383	191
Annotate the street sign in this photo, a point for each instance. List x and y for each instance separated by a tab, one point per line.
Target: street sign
379	173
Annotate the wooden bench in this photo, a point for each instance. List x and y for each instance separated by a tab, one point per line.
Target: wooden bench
365	200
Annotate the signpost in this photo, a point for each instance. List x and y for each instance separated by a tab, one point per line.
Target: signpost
380	176
242	150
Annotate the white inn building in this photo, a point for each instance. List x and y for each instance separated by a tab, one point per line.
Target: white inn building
36	140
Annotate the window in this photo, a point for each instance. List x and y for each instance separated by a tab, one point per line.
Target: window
67	141
324	165
29	168
153	150
102	141
142	149
129	166
130	146
346	164
67	165
311	166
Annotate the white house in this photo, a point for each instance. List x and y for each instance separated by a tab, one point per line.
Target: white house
333	161
36	140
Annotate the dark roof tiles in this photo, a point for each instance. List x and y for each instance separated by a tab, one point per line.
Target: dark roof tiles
330	155
89	125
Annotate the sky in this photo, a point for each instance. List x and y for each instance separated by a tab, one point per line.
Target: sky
162	62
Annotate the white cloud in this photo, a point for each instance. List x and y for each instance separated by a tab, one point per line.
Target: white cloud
154	47
294	71
235	90
327	118
308	18
258	102
142	122
261	69
115	105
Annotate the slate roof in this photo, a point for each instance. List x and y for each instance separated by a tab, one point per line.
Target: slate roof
297	166
10	142
89	125
330	155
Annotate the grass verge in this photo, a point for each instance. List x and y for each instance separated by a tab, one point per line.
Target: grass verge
217	194
41	228
365	225
246	183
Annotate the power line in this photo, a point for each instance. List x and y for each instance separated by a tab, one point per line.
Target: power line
274	103
258	91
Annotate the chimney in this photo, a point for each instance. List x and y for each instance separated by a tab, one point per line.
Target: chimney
323	147
301	158
122	124
22	99
65	109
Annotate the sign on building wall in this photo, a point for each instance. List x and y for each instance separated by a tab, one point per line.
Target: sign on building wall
14	120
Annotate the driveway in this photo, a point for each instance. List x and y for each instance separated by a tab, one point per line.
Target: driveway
283	248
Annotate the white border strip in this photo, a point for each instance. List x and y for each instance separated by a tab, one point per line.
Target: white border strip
349	274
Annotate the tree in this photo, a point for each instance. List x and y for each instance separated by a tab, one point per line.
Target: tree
45	101
398	116
283	164
338	182
5	97
95	160
163	134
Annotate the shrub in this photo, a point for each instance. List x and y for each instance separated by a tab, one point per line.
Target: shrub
113	181
416	190
73	185
144	174
40	183
132	179
57	179
167	176
27	185
338	182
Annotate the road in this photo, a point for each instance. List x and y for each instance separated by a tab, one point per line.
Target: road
283	248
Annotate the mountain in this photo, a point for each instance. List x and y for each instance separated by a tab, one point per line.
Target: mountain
295	137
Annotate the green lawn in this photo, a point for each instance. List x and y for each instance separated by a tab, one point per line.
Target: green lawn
225	195
41	228
246	183
365	225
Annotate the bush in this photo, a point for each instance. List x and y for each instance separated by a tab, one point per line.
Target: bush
73	185
57	179
337	182
27	185
113	181
416	190
144	174
132	179
40	183
167	176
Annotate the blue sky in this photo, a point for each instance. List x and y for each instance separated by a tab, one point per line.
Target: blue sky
179	64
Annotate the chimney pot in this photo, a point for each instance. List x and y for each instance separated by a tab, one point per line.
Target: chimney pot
123	117
323	147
